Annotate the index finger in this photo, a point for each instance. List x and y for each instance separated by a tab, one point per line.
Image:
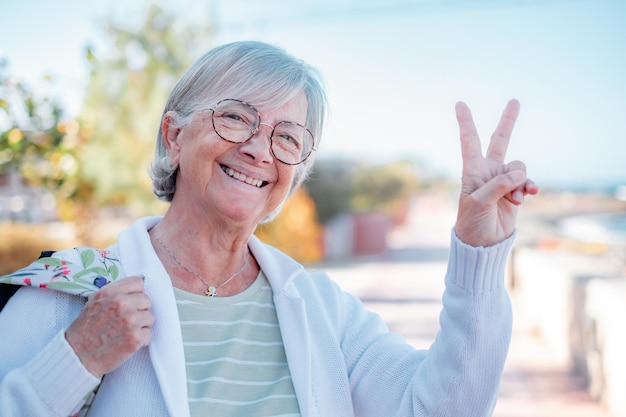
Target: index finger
502	135
470	142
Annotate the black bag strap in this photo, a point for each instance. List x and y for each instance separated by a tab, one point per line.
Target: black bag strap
6	292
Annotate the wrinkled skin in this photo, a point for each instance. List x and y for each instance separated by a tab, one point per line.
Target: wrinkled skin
114	324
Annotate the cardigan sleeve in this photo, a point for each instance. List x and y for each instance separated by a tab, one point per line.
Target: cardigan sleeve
40	375
459	375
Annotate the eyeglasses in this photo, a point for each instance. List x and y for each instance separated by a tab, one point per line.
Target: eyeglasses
237	121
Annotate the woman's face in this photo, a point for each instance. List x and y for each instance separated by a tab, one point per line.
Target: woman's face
236	181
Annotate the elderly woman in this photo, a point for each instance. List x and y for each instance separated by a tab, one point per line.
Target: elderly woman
190	314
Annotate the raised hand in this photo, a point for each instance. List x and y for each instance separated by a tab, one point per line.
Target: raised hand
114	324
491	190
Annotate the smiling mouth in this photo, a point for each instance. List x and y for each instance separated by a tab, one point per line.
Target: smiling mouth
243	178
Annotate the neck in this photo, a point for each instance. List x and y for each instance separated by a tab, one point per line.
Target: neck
202	235
213	228
196	260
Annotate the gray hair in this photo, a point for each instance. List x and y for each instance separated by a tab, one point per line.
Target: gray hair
256	72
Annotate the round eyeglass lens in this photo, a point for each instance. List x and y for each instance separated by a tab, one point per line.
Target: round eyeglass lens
234	120
291	142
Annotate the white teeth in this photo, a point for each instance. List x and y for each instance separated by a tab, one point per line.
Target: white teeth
241	177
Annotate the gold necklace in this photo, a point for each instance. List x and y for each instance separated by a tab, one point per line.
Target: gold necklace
211	290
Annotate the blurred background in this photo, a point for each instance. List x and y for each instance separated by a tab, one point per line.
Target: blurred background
82	85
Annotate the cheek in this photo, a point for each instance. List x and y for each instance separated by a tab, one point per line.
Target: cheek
285	181
202	151
197	163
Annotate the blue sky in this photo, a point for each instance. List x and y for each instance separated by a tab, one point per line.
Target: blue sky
394	70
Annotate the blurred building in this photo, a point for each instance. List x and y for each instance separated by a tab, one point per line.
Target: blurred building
23	203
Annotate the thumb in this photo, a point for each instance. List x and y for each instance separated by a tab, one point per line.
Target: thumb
500	186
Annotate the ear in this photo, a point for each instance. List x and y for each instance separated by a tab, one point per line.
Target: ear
170	137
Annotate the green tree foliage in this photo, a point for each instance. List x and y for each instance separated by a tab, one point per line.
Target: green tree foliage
34	140
340	186
386	188
329	185
125	96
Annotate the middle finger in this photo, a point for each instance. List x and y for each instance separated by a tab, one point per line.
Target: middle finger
502	135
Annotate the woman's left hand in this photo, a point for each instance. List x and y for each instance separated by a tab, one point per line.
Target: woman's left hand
491	190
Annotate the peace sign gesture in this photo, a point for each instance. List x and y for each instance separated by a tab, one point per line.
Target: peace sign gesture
491	190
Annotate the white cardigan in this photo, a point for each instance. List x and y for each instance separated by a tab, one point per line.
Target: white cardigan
343	360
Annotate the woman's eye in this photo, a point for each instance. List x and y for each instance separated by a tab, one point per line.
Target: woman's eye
233	116
287	140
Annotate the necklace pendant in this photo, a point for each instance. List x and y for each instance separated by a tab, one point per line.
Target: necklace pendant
211	291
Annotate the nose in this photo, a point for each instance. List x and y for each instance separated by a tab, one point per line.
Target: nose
258	147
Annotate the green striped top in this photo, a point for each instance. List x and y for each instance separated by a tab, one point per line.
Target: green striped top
234	354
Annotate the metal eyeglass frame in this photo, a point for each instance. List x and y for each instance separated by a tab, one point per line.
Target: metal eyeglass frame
256	130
